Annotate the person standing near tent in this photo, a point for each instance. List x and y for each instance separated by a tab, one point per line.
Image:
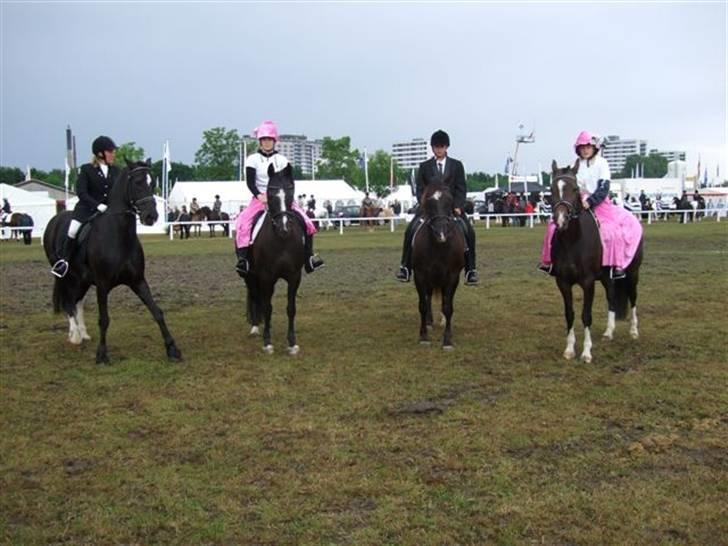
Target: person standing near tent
93	188
5	211
256	173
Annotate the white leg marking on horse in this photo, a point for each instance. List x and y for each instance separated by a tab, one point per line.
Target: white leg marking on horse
254	331
570	342
586	353
74	335
609	332
81	321
293	351
443	320
633	330
268	349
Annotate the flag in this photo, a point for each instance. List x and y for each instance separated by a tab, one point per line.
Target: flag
391	172
68	172
27	172
507	168
167	159
697	178
705	178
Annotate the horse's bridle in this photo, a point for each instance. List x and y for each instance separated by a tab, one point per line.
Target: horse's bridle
134	202
574	211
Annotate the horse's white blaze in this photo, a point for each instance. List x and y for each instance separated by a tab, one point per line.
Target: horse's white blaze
282	199
633	330
560	219
570	342
609	332
586	355
436	196
561	185
81	322
149	179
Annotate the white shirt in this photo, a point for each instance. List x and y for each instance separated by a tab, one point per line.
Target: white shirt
260	163
441	162
104	169
591	171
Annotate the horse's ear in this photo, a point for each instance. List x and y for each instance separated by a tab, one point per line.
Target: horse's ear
149	162
288	171
128	163
575	168
554	166
271	170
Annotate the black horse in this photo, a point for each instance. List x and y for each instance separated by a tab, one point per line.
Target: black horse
184	229
438	257
277	253
111	255
576	254
22	221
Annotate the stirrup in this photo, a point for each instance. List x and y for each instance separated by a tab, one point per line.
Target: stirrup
403	275
60	268
242	267
313	263
616	273
548	269
471	278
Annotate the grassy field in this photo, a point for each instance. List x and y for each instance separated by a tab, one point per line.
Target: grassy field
366	437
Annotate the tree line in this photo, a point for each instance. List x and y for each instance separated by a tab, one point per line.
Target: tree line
218	159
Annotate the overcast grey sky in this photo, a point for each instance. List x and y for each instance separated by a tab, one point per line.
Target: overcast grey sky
379	73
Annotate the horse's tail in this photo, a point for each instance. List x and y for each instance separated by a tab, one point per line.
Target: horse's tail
621	297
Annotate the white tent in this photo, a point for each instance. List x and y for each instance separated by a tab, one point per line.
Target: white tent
403	194
235	194
37	204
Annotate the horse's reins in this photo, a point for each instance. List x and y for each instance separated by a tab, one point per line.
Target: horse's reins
134	203
573	211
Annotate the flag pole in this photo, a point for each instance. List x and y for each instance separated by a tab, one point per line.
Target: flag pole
366	170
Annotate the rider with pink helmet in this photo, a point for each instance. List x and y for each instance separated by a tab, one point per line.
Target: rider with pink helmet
619	230
256	173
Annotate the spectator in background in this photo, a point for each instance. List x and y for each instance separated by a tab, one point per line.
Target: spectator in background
217	205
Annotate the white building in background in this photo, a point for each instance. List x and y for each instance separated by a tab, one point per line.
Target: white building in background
671	155
409	155
299	150
616	151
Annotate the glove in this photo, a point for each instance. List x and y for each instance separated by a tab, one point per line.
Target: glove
101	207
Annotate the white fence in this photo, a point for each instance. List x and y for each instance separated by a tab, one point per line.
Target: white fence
489	219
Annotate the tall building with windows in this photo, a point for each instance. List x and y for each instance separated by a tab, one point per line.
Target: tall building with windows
299	150
671	155
616	151
409	155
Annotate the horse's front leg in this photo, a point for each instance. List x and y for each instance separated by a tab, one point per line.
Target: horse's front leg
267	297
102	298
565	288
423	306
448	296
291	309
611	310
141	289
586	319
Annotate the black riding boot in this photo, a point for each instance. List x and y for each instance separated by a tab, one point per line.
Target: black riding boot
405	267
60	268
243	266
312	261
471	274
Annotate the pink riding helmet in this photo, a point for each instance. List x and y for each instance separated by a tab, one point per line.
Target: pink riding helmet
267	129
585	137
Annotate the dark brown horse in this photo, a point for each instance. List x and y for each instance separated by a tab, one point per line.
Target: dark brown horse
576	254
277	253
215	218
372	212
20	224
438	257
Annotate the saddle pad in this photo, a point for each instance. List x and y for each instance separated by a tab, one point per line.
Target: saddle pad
257	224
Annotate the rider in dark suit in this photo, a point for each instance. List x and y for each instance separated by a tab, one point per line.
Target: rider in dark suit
93	187
449	171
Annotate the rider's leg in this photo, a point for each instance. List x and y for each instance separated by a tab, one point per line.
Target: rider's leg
60	268
405	267
471	273
546	266
312	261
243	227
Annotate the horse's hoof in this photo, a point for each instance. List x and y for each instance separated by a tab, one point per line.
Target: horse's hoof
568	355
75	339
425	342
254	331
293	351
608	335
85	336
634	334
447	347
174	355
586	358
102	361
268	349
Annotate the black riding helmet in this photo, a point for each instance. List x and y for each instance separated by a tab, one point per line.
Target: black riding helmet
439	138
102	144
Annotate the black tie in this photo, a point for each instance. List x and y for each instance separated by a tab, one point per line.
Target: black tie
439	166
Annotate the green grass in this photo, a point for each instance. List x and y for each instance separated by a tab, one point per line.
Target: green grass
333	446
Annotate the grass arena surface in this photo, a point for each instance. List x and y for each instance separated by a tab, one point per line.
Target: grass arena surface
367	437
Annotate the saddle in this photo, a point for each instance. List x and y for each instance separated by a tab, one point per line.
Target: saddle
259	218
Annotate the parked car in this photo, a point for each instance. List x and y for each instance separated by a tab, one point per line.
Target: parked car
348	211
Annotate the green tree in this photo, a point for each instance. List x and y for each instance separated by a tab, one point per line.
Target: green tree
180	171
338	160
380	171
655	166
218	156
128	151
11	175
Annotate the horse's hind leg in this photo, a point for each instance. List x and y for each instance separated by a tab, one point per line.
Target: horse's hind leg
586	319
141	289
424	306
267	297
292	290
102	298
448	295
632	278
81	323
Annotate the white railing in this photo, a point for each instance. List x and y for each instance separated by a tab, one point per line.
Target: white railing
532	218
